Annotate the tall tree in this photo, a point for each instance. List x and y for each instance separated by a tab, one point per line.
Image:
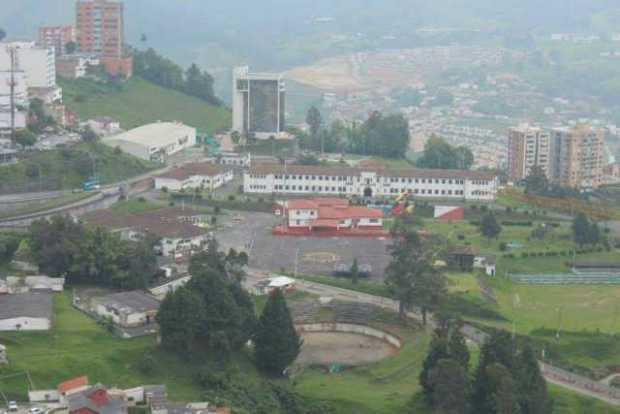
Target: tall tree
533	395
277	344
536	181
355	272
502	393
438	351
451	387
458	347
438	154
180	319
582	229
411	277
489	227
314	121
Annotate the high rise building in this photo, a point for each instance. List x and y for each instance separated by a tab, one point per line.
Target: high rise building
578	156
37	62
100	32
528	147
259	102
56	37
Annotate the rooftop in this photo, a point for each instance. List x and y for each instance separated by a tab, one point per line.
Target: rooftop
155	134
32	305
73	384
189	170
134	301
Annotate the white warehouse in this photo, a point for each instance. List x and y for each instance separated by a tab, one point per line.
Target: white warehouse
154	142
369	182
207	176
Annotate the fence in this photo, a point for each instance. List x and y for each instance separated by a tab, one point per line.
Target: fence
566	278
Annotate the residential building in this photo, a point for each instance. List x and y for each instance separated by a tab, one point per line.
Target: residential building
26	312
154	142
259	104
180	230
39	283
197	175
528	147
56	37
38	63
329	214
370	182
96	399
104	125
234	159
128	309
578	156
74	66
100	31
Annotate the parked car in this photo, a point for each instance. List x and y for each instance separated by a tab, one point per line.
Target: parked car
13	407
36	410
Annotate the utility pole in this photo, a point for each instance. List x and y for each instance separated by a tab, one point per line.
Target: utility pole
13	62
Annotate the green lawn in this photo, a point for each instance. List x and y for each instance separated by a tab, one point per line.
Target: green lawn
78	346
140	102
567	402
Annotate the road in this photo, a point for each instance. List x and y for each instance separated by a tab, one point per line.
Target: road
581	385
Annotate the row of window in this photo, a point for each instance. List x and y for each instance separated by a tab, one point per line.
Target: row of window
429	192
391	180
258	187
310	188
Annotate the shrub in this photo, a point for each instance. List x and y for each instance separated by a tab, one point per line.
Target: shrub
503	247
164	189
141	200
217	210
461	237
231	198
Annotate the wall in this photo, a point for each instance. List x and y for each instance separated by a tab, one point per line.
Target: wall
27	324
351	328
169	183
43	395
161	291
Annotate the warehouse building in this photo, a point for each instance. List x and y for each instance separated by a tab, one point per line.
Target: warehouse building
370	182
204	175
154	142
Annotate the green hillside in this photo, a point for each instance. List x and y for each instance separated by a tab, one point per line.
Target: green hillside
139	102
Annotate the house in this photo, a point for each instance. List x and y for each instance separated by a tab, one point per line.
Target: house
72	386
205	176
180	230
328	214
486	263
191	408
128	309
26	312
462	258
234	159
96	400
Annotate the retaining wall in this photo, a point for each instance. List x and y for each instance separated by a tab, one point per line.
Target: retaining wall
351	328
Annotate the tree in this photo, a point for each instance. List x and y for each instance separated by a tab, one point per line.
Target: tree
502	393
438	351
180	319
584	231
355	272
88	135
458	347
489	227
314	121
438	154
2	34
70	48
25	138
450	383
533	395
536	181
277	344
411	277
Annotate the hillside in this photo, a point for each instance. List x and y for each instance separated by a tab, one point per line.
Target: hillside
68	168
139	102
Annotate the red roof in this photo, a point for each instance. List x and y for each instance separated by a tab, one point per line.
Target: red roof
331	223
72	384
349	212
302	205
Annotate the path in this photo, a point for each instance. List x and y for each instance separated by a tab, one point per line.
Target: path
579	384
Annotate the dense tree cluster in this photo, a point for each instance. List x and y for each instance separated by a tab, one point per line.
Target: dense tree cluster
62	247
411	275
438	154
380	135
164	72
212	312
585	231
537	183
507	379
9	243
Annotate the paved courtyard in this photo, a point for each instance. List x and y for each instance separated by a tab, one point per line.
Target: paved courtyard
305	255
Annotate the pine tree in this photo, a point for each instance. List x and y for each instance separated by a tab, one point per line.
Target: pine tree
450	383
277	344
438	350
458	348
489	227
355	272
533	395
502	394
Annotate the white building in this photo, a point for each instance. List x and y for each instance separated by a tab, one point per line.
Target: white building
197	175
154	142
368	182
20	91
330	213
128	309
259	103
25	312
39	63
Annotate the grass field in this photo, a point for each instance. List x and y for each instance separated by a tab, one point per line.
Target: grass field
76	345
139	102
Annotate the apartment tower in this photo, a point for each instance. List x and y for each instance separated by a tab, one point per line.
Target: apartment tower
100	32
578	156
56	37
528	147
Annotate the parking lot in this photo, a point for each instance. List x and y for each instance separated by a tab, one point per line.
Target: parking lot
251	232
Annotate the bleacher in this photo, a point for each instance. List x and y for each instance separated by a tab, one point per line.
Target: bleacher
584	278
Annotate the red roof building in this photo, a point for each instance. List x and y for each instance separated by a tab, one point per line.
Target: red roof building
73	385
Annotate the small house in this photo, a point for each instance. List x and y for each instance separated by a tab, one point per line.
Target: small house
462	258
26	312
128	309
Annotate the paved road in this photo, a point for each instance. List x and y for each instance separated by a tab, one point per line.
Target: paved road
581	385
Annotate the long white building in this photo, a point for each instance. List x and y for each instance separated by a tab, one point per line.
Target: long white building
369	182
